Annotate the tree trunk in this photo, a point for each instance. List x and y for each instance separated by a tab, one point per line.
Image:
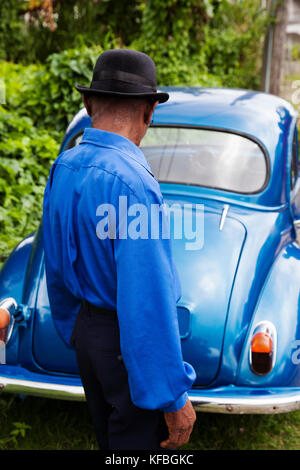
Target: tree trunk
275	48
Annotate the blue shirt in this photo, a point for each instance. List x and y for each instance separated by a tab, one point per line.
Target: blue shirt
126	271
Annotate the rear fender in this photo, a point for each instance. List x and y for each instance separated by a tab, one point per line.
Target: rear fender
279	303
19	279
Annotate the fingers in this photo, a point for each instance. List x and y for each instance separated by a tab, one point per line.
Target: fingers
180	425
177	438
168	445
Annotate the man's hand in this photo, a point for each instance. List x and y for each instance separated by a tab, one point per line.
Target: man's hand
180	424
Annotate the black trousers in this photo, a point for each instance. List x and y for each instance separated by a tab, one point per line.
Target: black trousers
118	423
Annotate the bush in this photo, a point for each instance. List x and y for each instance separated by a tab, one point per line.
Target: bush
40	102
193	42
26	156
46	93
234	41
13	37
295	52
172	34
205	43
31	30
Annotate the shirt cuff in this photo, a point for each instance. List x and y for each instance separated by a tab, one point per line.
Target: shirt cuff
178	404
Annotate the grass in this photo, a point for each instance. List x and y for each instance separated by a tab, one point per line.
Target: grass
39	424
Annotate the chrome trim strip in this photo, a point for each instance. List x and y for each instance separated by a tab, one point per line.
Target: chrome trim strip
223	218
9	304
10	330
42	389
257	404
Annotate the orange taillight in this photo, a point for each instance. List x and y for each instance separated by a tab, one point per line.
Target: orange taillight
4	318
263	348
4	323
261	343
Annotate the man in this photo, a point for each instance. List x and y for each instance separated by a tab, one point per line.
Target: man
124	287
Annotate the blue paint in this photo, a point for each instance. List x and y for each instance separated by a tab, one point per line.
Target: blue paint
246	273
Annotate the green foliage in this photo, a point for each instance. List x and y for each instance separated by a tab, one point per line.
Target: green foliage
40	102
63	71
96	22
172	34
66	425
13	37
16	429
26	37
295	52
233	41
204	42
46	93
193	42
26	155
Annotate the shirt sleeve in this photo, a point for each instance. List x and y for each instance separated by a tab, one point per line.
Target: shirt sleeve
147	292
63	304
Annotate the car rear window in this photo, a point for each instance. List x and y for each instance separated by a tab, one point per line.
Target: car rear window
203	157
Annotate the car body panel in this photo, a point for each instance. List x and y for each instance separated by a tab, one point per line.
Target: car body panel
48	346
246	271
280	293
204	283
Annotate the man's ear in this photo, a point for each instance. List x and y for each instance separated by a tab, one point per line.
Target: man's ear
154	106
87	104
153	109
149	112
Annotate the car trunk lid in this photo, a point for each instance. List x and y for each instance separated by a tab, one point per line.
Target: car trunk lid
207	277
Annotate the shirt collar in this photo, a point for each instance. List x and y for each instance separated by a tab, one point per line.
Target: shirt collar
117	142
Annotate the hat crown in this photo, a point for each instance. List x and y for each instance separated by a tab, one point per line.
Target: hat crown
124	73
128	64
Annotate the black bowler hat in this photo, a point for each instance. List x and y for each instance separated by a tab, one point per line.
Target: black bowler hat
124	72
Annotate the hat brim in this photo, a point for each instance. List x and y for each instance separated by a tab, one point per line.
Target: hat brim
158	96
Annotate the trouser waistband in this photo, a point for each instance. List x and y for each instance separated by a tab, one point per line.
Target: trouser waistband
90	309
97	316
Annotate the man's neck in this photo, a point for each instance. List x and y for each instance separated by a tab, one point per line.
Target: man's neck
129	131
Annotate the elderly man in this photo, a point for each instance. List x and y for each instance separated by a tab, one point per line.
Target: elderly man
121	289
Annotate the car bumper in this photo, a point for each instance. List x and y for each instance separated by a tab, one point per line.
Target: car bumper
18	380
229	399
245	400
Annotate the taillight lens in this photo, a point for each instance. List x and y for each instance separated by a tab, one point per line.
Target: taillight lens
263	348
8	308
4	323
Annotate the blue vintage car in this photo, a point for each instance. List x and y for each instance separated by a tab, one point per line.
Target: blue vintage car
233	153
